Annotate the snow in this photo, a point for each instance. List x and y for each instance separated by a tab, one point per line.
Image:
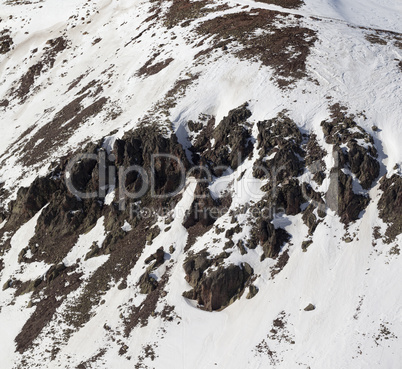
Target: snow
13	312
380	14
95	236
126	227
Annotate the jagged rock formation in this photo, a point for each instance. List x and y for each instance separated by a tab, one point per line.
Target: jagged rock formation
353	149
270	238
231	141
353	146
390	205
217	288
279	143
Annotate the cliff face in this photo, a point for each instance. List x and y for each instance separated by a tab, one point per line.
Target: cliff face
200	184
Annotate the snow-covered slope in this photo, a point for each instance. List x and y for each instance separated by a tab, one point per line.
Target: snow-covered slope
86	285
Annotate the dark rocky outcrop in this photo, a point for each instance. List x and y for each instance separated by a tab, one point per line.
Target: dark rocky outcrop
287	198
147	147
31	199
65	216
220	286
280	161
194	126
390	205
310	219
216	288
158	257
314	159
341	198
354	151
6	41
278	139
95	251
232	141
270	239
305	245
363	164
315	210
252	291
147	283
54	272
309	307
358	152
195	265
200	210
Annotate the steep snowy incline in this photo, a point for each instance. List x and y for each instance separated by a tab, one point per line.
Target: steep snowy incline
380	14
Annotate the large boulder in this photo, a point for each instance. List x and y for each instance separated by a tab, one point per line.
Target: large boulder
217	288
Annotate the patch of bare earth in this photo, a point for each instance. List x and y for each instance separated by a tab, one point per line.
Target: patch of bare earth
22	2
93	360
56	292
383	37
27	81
62	126
139	315
183	12
263	36
150	68
6	41
291	4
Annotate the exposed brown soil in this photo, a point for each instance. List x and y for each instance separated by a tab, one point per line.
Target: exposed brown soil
56	293
139	315
92	360
4	103
6	41
383	37
376	39
28	79
178	90
149	69
63	125
54	47
88	86
291	4
285	49
124	253
183	12
76	82
22	2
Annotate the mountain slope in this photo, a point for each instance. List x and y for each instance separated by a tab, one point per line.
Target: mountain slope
293	110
